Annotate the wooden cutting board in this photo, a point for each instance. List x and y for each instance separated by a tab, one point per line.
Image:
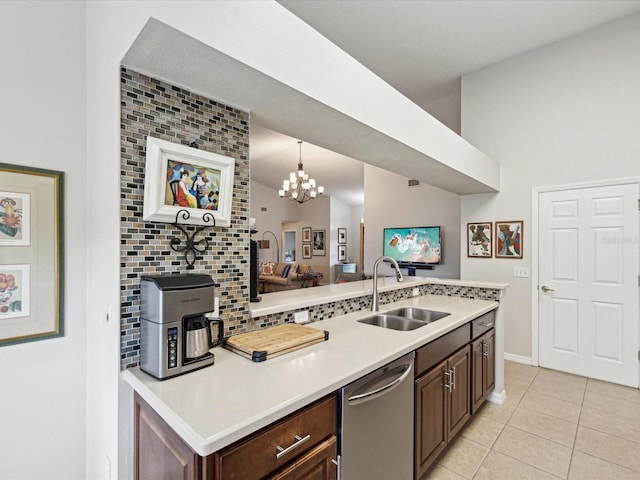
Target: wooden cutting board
271	342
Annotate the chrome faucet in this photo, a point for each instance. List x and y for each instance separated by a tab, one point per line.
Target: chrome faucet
399	278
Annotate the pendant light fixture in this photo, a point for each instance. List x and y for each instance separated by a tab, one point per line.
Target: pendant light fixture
299	187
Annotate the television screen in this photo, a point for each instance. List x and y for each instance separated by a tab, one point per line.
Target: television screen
413	246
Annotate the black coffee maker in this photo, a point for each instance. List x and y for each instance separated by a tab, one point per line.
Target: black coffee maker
176	332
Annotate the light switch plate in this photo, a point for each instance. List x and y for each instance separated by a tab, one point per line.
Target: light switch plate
301	317
522	272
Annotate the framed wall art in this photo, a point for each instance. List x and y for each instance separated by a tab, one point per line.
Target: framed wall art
342	253
342	236
178	178
306	250
306	235
15	218
31	254
479	240
318	242
509	237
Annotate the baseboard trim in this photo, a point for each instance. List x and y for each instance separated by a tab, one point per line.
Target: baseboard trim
518	358
498	398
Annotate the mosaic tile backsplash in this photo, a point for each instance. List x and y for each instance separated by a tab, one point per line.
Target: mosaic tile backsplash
156	108
342	307
152	107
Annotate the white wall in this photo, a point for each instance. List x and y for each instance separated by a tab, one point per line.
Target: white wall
353	236
341	217
446	108
269	219
315	214
561	114
43	98
389	202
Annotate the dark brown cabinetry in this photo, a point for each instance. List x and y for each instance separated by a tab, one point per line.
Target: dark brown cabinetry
265	452
483	368
159	451
301	446
318	464
442	395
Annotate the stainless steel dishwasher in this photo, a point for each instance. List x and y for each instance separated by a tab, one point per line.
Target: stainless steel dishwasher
377	424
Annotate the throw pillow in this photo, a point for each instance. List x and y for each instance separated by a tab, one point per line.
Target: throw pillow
278	268
285	271
302	268
293	271
267	268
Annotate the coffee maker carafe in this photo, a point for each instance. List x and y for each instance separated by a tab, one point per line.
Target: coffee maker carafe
175	331
197	336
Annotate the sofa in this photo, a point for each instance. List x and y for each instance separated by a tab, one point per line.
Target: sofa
275	277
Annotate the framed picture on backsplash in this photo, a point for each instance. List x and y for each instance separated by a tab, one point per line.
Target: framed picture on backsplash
509	237
180	178
32	240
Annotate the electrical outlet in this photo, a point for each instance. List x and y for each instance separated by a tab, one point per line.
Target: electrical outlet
301	317
522	272
415	292
216	307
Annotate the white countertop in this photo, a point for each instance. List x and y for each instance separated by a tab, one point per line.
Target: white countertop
213	407
287	300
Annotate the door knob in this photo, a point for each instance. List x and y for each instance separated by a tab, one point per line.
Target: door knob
547	289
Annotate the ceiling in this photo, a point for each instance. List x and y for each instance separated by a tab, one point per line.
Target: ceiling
421	48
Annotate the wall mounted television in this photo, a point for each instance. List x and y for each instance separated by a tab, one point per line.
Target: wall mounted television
417	247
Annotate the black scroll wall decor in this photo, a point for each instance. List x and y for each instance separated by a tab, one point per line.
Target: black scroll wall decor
189	245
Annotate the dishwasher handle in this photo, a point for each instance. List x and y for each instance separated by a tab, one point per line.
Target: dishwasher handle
359	398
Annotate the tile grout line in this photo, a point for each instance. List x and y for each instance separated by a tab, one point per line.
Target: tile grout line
575	437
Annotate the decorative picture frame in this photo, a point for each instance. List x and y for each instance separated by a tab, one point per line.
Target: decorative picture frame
306	250
306	235
509	239
15	218
342	236
178	178
32	286
319	242
342	253
480	240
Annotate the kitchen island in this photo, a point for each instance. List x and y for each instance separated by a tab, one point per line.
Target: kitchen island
218	405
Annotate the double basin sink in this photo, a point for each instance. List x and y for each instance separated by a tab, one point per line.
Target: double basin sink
404	318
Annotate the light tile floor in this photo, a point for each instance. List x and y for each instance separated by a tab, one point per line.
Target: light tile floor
553	425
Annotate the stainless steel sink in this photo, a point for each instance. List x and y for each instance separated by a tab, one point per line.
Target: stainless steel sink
393	322
421	314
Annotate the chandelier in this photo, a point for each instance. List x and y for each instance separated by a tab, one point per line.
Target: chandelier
299	187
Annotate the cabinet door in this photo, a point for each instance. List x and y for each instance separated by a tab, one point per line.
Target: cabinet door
431	408
489	362
159	452
478	378
318	464
460	398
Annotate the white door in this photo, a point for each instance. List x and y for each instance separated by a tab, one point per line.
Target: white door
588	282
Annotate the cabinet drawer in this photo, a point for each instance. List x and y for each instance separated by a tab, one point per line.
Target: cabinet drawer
258	455
436	351
483	324
317	464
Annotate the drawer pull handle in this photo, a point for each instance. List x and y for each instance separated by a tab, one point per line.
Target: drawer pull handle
447	382
485	324
299	441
